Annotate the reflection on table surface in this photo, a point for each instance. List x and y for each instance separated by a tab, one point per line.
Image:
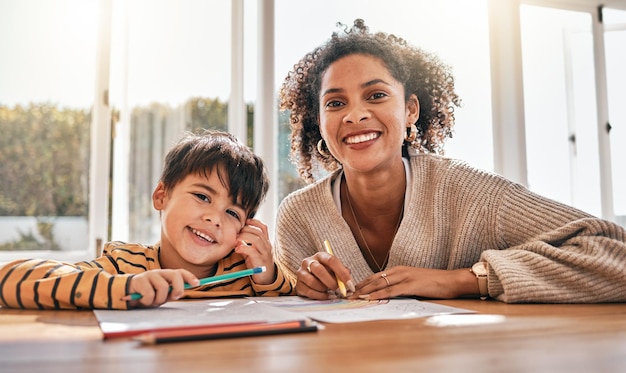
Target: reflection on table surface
499	337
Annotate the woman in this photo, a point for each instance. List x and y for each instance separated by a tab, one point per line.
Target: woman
403	220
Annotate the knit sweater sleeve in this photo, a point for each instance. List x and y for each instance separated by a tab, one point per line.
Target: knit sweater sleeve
305	219
538	250
294	236
554	253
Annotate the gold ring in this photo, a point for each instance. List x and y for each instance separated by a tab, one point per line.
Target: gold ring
384	276
308	267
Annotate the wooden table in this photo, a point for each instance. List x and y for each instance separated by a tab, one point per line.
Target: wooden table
499	338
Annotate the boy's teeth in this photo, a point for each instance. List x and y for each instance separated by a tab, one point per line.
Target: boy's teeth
200	234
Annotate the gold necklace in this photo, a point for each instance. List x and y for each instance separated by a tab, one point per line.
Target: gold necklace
380	267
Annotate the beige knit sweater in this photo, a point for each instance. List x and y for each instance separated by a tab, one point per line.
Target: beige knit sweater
538	250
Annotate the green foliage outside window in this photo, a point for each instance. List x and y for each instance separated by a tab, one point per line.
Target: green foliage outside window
44	158
45	151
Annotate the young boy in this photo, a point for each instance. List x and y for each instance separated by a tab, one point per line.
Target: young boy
210	189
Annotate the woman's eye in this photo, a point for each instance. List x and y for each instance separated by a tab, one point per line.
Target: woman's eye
378	95
202	197
334	104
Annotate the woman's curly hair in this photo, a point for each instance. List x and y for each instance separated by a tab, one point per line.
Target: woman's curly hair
419	72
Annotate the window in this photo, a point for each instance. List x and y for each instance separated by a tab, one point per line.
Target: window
615	39
573	95
175	66
170	73
560	109
46	97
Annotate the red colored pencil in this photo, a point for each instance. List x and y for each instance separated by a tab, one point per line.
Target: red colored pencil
226	331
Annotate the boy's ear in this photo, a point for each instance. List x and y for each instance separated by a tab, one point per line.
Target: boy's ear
158	196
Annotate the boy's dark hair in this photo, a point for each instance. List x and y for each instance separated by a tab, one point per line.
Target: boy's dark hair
240	170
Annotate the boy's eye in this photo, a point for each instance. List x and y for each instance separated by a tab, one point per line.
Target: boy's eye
202	197
234	214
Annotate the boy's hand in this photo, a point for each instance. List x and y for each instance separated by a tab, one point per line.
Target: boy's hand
159	286
255	247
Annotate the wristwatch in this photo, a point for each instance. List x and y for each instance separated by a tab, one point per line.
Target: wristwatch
480	270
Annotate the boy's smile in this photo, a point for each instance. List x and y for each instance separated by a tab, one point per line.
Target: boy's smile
203	235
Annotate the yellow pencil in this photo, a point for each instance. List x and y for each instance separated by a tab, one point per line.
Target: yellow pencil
342	286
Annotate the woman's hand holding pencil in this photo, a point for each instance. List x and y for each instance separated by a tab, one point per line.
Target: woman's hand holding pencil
323	276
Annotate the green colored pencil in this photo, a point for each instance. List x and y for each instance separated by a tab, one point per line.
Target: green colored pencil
215	279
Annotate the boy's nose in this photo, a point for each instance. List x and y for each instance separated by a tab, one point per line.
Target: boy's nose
214	221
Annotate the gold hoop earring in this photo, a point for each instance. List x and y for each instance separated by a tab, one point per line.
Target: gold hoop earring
411	133
320	149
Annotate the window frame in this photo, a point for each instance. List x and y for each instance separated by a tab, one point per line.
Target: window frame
509	141
507	90
507	101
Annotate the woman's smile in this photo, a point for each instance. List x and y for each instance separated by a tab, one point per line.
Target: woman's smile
361	138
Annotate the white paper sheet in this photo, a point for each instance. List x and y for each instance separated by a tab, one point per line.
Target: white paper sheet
344	311
190	313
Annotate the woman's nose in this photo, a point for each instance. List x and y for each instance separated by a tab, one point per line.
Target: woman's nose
356	114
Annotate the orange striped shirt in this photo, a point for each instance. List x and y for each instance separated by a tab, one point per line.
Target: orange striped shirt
103	282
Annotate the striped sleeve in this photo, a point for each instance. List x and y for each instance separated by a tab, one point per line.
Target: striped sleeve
280	286
49	284
243	286
97	284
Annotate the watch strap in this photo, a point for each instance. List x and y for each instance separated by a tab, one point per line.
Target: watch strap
481	276
482	287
